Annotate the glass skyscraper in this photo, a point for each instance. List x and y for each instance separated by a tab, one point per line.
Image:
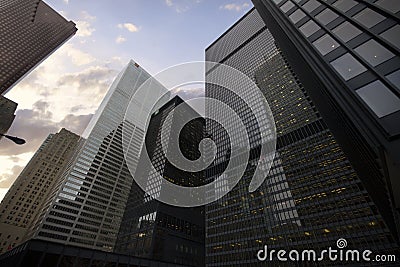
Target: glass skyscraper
155	230
347	55
30	31
313	195
87	206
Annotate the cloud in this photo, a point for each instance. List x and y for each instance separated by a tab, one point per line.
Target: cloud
7	179
182	6
66	1
33	125
84	24
77	57
129	26
86	16
188	92
120	39
75	124
85	29
94	79
235	7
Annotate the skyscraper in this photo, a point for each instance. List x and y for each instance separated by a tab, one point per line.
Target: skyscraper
155	230
313	195
7	116
26	196
346	53
30	31
87	206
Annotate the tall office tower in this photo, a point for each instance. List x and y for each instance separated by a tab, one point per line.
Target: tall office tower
30	31
7	116
87	206
313	195
153	229
346	53
24	199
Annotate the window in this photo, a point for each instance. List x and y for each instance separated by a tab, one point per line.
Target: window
379	98
345	5
393	35
348	67
278	1
346	31
390	5
326	16
368	17
373	52
311	5
394	78
309	28
287	6
297	16
325	44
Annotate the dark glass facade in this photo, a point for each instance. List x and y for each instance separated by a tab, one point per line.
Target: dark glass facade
155	230
312	195
346	53
30	31
37	253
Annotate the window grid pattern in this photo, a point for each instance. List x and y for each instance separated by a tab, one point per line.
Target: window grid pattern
368	46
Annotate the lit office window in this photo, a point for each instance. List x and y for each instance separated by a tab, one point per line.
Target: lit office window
297	16
393	35
348	67
325	44
390	5
368	17
379	98
345	5
373	52
346	31
309	28
326	16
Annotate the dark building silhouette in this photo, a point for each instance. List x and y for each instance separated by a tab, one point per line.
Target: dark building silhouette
155	230
39	253
30	31
7	114
346	54
313	194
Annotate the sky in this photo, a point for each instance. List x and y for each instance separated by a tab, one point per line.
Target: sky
66	89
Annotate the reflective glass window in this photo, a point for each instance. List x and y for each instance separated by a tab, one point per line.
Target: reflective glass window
345	5
348	67
326	16
309	28
394	78
287	6
325	44
392	35
379	98
297	16
346	31
373	52
390	5
368	17
311	5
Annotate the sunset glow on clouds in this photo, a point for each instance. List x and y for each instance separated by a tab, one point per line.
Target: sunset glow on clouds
66	89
